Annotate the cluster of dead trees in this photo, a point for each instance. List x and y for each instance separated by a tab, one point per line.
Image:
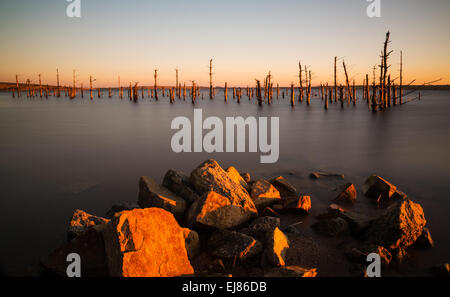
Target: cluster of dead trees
381	93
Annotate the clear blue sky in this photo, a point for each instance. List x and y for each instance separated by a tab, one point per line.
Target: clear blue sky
247	38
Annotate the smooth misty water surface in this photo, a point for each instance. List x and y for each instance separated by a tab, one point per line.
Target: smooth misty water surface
57	155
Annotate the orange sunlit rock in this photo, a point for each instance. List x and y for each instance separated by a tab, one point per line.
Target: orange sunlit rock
264	194
146	242
218	211
81	221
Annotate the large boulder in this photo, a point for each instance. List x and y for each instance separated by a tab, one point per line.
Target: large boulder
260	227
209	176
291	271
217	211
400	226
237	178
81	221
231	245
331	227
146	242
151	194
347	194
378	188
89	245
178	182
276	248
298	203
283	186
264	194
355	220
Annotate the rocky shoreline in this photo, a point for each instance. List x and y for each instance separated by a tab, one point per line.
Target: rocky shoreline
217	222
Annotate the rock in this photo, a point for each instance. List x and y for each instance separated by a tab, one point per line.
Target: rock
359	254
228	245
210	176
153	195
261	226
146	242
120	207
356	221
347	194
283	186
236	177
178	182
292	230
378	188
276	248
192	242
264	194
425	240
246	176
217	211
89	245
400	226
441	270
331	227
81	221
291	271
299	203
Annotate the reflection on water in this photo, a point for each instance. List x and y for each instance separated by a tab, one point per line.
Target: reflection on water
58	154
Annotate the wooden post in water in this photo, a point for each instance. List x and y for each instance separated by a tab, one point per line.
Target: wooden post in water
40	86
335	80
292	95
211	95
81	90
58	94
309	88
400	87
300	95
17	86
176	82
258	92
156	84
90	87
226	92
347	82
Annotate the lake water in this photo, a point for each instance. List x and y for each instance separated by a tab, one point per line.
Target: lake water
58	154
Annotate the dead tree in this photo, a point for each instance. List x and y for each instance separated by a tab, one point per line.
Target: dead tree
156	83
58	94
400	87
292	95
211	95
40	86
258	92
226	92
335	80
349	93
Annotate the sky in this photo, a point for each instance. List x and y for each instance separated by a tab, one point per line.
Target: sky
246	39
